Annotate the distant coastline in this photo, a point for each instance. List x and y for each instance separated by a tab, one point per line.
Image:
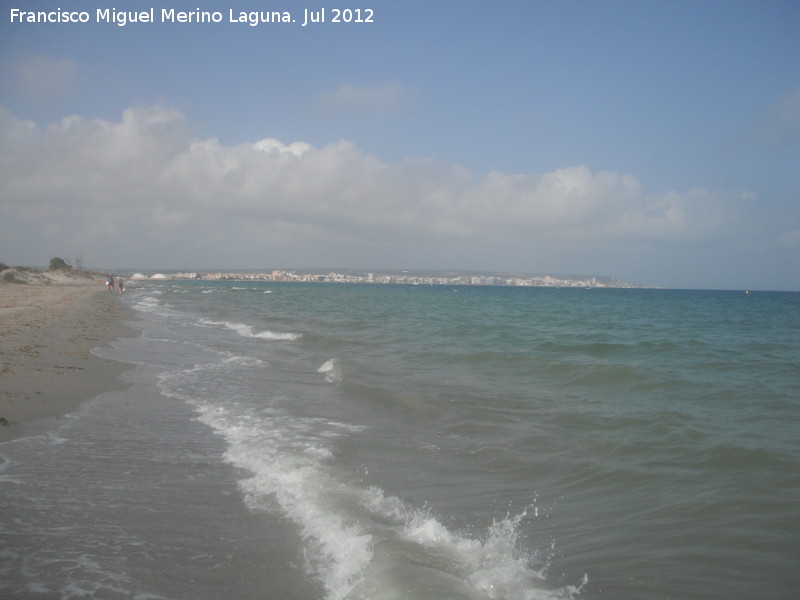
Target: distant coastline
396	277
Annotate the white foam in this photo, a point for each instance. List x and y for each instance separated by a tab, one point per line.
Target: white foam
342	543
248	331
331	371
360	543
337	550
151	304
327	366
245	361
286	458
276	335
147	301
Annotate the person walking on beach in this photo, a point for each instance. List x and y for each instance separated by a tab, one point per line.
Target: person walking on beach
120	286
110	283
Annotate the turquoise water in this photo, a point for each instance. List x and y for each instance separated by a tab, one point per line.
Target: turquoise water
371	441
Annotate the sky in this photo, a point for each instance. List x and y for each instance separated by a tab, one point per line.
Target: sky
657	142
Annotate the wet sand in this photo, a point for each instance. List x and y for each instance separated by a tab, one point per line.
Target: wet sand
47	331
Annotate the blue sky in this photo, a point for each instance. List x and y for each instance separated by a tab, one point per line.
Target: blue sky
656	142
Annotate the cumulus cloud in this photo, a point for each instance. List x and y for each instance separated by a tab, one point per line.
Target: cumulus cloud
384	99
40	77
143	184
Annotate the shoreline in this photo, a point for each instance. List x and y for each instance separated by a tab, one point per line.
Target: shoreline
47	332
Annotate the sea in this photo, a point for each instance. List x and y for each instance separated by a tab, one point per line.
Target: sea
318	441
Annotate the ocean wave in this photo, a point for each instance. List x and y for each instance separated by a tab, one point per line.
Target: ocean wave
373	390
731	457
331	371
360	543
618	376
363	544
147	302
151	304
249	331
244	361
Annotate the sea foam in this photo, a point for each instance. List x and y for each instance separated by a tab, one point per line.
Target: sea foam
330	370
249	331
361	543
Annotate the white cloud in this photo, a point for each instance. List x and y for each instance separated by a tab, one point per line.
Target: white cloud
41	77
385	98
144	190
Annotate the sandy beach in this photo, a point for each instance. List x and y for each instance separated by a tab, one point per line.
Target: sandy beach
48	327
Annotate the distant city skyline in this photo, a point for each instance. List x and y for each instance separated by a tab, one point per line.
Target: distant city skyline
655	141
403	276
